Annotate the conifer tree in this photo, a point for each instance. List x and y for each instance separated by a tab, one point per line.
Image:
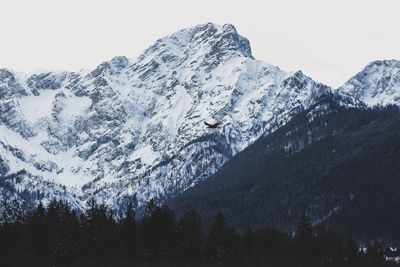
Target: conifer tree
157	232
248	242
349	250
189	237
304	239
129	233
38	235
222	244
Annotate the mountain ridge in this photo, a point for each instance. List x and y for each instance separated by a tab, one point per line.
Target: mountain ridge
133	129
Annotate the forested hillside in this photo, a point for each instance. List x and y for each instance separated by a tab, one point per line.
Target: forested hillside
340	166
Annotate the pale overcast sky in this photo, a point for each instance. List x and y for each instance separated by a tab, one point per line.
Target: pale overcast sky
328	40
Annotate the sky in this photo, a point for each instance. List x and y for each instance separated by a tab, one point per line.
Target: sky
329	41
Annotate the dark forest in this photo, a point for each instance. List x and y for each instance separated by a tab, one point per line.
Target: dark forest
56	235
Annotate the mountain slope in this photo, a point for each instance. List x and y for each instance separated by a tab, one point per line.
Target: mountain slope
333	163
134	129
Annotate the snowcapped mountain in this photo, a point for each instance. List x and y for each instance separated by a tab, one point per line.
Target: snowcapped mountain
134	129
377	84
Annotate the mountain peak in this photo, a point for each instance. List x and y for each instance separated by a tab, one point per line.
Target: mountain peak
377	84
224	37
202	45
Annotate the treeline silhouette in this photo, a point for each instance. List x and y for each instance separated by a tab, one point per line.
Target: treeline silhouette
56	235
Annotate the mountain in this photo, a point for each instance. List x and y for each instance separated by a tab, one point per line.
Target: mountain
134	129
377	84
338	165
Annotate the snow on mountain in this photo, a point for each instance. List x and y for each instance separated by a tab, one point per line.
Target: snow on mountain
134	129
377	84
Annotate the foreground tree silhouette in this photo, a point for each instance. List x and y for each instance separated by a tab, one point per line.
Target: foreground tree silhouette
68	246
222	243
157	233
57	236
12	219
328	245
37	235
248	242
349	250
303	240
99	229
128	233
189	237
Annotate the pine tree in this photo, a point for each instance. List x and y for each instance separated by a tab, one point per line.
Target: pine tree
328	245
248	242
189	237
38	239
67	248
349	250
157	232
304	239
18	212
99	232
53	227
222	244
11	230
129	233
6	211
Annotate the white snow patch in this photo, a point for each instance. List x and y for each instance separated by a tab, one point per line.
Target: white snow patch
33	151
75	106
145	153
181	105
34	107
